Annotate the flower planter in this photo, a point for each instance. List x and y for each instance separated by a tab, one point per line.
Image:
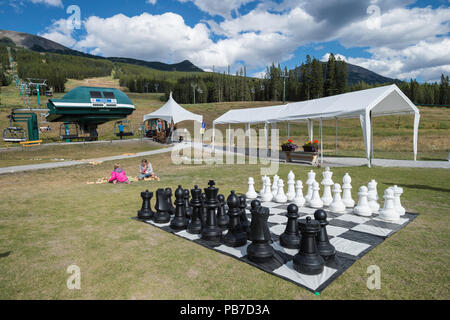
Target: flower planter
309	149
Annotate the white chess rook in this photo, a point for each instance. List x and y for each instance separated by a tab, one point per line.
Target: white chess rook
397	202
337	206
347	191
251	193
315	201
291	187
372	197
267	196
299	200
389	213
281	196
363	209
327	182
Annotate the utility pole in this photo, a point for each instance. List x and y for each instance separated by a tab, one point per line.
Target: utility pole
284	76
194	86
156	87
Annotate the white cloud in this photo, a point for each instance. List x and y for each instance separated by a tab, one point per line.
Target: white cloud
61	32
336	55
222	8
153	2
55	3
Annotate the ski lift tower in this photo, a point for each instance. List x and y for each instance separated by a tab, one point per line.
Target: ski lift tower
32	82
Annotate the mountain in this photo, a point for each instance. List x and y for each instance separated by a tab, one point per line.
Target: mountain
357	74
40	44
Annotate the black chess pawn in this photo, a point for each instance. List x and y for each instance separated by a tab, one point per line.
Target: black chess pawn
169	200
195	225
259	250
146	212
244	220
236	236
187	205
162	214
204	210
222	217
324	247
179	222
211	231
291	237
307	260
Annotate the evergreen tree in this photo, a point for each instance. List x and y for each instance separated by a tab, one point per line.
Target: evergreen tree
330	77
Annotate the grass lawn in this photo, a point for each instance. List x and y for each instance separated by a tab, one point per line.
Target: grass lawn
52	219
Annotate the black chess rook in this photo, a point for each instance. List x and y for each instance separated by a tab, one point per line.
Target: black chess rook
307	260
259	250
146	212
162	214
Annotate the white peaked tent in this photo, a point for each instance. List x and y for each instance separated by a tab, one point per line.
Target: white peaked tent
172	112
364	104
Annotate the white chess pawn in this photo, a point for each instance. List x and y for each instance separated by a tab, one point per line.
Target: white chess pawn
347	191
275	186
281	197
309	183
267	196
299	200
388	212
315	201
397	202
327	182
291	188
337	206
363	209
251	193
261	192
372	197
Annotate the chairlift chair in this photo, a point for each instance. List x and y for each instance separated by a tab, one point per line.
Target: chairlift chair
14	135
73	132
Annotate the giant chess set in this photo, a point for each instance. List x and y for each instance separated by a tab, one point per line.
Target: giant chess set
306	239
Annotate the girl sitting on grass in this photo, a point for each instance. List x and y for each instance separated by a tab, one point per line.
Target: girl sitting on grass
118	175
146	170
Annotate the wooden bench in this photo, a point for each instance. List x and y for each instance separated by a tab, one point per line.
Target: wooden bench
27	144
305	157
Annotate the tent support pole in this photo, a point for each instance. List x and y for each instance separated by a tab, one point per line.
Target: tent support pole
416	133
336	135
288	130
266	135
214	136
321	142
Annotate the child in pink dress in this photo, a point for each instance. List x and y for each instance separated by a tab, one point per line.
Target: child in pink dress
118	175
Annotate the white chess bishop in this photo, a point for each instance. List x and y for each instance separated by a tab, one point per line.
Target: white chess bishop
337	205
267	196
261	192
281	196
327	182
309	183
291	186
372	197
363	209
389	213
397	202
347	191
251	193
315	201
275	186
299	200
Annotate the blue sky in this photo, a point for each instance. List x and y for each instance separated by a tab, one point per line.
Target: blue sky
396	38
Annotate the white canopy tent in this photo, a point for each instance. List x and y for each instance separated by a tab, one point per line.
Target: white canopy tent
364	104
172	112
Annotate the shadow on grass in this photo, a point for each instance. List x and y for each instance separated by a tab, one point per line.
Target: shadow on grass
421	187
5	254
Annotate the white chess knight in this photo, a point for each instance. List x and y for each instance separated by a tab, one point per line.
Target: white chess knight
347	191
261	192
363	209
281	196
251	193
267	196
315	201
372	197
327	182
275	186
299	200
337	206
397	202
309	183
389	213
291	186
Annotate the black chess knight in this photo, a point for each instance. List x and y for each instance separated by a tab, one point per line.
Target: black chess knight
222	217
162	214
259	250
169	201
146	212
